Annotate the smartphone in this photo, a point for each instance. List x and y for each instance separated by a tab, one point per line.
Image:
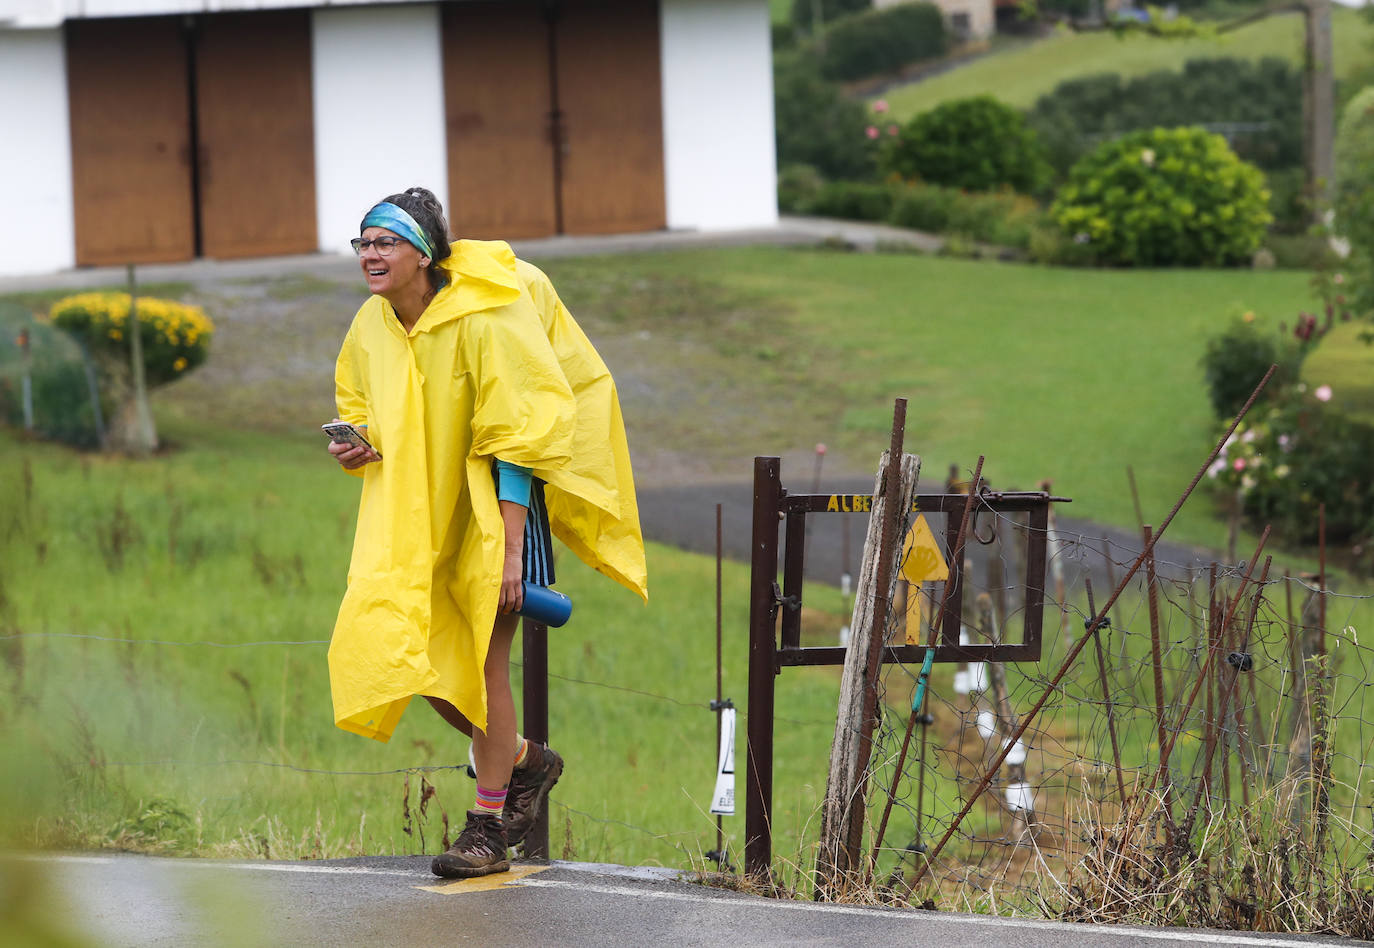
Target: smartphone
341	432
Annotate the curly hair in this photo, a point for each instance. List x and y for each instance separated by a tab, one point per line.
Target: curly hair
421	204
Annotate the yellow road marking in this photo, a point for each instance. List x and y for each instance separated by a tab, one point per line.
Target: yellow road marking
484	883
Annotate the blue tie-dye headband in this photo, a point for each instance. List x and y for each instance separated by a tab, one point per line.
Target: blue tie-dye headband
396	220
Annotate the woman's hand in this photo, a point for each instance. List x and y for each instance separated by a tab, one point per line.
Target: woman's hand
351	456
512	583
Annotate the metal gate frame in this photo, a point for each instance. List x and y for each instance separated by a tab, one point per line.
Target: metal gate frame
767	657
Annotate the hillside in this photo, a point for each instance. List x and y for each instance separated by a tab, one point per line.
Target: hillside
1023	73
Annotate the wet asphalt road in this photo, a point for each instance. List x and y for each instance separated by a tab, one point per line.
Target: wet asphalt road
685	516
127	900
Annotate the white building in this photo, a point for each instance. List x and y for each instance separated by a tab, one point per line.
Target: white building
134	131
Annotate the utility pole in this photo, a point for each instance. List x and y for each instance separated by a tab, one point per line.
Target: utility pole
1319	105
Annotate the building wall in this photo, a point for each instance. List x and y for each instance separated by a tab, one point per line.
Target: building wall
35	153
720	164
379	120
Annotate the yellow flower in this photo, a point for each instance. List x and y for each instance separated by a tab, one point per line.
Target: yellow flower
116	334
180	364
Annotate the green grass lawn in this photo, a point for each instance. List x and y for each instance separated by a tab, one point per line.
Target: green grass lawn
1069	375
1346	363
1022	74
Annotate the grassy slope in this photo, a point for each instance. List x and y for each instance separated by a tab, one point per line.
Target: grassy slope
1346	363
1024	73
1069	375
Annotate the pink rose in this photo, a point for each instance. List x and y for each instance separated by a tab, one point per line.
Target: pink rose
1238	464
871	131
892	130
880	106
1323	393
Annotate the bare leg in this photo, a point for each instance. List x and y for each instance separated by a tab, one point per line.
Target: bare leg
494	749
450	714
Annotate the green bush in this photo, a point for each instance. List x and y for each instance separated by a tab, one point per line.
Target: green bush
853	200
58	389
1235	361
924	207
977	144
881	41
1165	197
798	186
1354	195
804	12
1288	200
1004	218
816	125
1297	454
1263	98
1049	244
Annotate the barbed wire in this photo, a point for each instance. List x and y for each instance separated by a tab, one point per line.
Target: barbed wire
1284	714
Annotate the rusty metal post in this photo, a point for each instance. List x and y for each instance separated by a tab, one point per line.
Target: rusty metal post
763	577
534	642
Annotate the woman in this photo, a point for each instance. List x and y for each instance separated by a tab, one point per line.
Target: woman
492	421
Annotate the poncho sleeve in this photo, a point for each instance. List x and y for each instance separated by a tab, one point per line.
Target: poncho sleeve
350	390
524	408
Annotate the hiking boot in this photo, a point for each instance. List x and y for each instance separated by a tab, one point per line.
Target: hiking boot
529	787
479	850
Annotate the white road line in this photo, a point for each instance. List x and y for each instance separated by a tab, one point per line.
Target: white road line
990	921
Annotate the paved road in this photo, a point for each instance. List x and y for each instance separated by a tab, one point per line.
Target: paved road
684	516
119	900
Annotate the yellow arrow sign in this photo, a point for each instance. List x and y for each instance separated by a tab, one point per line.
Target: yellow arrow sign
922	560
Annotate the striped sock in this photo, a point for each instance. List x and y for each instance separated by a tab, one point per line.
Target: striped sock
489	801
522	753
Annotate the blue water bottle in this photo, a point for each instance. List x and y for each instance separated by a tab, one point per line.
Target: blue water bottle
545	605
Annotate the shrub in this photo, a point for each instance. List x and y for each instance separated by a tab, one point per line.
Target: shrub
978	144
853	200
881	41
798	186
924	207
1165	197
1235	361
1288	201
816	125
1005	219
175	336
1354	195
1299	453
1049	244
58	391
804	12
1265	97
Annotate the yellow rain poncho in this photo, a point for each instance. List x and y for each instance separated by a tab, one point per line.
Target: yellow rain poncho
496	367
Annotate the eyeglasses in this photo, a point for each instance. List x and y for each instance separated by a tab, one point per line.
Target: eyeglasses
385	245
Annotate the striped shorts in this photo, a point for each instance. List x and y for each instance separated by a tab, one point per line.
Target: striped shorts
538	541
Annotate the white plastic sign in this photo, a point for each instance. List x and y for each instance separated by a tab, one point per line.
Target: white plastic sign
723	800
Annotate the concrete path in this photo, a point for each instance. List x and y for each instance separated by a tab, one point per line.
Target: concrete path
791	231
119	900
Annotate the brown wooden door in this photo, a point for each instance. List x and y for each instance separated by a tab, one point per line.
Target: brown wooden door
130	141
256	134
497	100
609	91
